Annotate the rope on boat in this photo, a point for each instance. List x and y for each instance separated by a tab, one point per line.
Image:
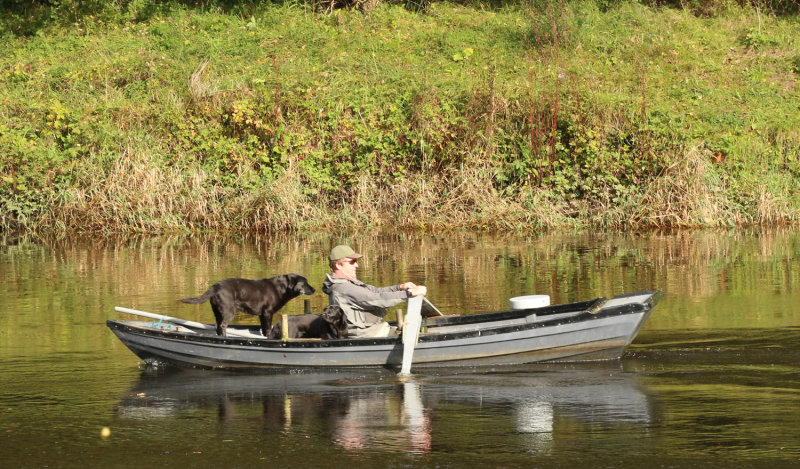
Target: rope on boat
161	324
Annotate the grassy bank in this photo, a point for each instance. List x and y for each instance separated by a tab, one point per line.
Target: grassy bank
285	117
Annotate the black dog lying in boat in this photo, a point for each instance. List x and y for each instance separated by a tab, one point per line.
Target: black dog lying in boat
260	298
331	324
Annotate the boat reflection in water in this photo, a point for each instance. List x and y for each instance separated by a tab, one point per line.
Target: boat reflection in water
397	420
379	410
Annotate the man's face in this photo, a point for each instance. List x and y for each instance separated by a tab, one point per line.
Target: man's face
348	268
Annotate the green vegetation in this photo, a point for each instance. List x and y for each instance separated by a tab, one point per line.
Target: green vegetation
146	116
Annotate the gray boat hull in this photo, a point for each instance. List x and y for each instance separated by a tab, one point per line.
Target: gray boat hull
594	330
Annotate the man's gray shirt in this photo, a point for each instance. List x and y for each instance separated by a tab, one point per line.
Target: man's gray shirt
363	305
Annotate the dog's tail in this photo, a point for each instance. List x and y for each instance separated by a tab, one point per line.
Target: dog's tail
196	300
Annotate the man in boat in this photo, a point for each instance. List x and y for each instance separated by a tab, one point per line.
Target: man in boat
364	305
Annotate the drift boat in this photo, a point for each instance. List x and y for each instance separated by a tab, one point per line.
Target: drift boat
598	329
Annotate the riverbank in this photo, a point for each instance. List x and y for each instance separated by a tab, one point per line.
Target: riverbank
278	118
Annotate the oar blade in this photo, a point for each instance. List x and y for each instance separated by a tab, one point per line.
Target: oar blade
411	326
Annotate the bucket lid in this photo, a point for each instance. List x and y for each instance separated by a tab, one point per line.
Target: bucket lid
529	301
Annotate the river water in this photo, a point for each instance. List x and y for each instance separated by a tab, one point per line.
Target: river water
712	380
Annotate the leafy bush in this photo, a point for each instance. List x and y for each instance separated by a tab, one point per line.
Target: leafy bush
756	39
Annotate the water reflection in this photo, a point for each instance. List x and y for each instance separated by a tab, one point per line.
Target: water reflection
398	420
378	411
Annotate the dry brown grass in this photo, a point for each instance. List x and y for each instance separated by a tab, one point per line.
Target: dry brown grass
772	208
199	86
460	200
690	192
280	206
138	195
134	196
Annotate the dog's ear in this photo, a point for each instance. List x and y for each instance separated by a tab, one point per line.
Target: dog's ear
282	282
339	321
341	326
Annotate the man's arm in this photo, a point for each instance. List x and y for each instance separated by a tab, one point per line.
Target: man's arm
368	297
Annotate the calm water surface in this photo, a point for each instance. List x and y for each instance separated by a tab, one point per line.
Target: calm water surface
713	379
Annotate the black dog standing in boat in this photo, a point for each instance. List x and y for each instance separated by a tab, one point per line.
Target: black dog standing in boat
331	324
260	298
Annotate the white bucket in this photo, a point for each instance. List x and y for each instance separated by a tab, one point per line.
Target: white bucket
529	301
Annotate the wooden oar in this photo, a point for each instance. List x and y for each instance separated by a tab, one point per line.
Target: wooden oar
184	322
411	325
